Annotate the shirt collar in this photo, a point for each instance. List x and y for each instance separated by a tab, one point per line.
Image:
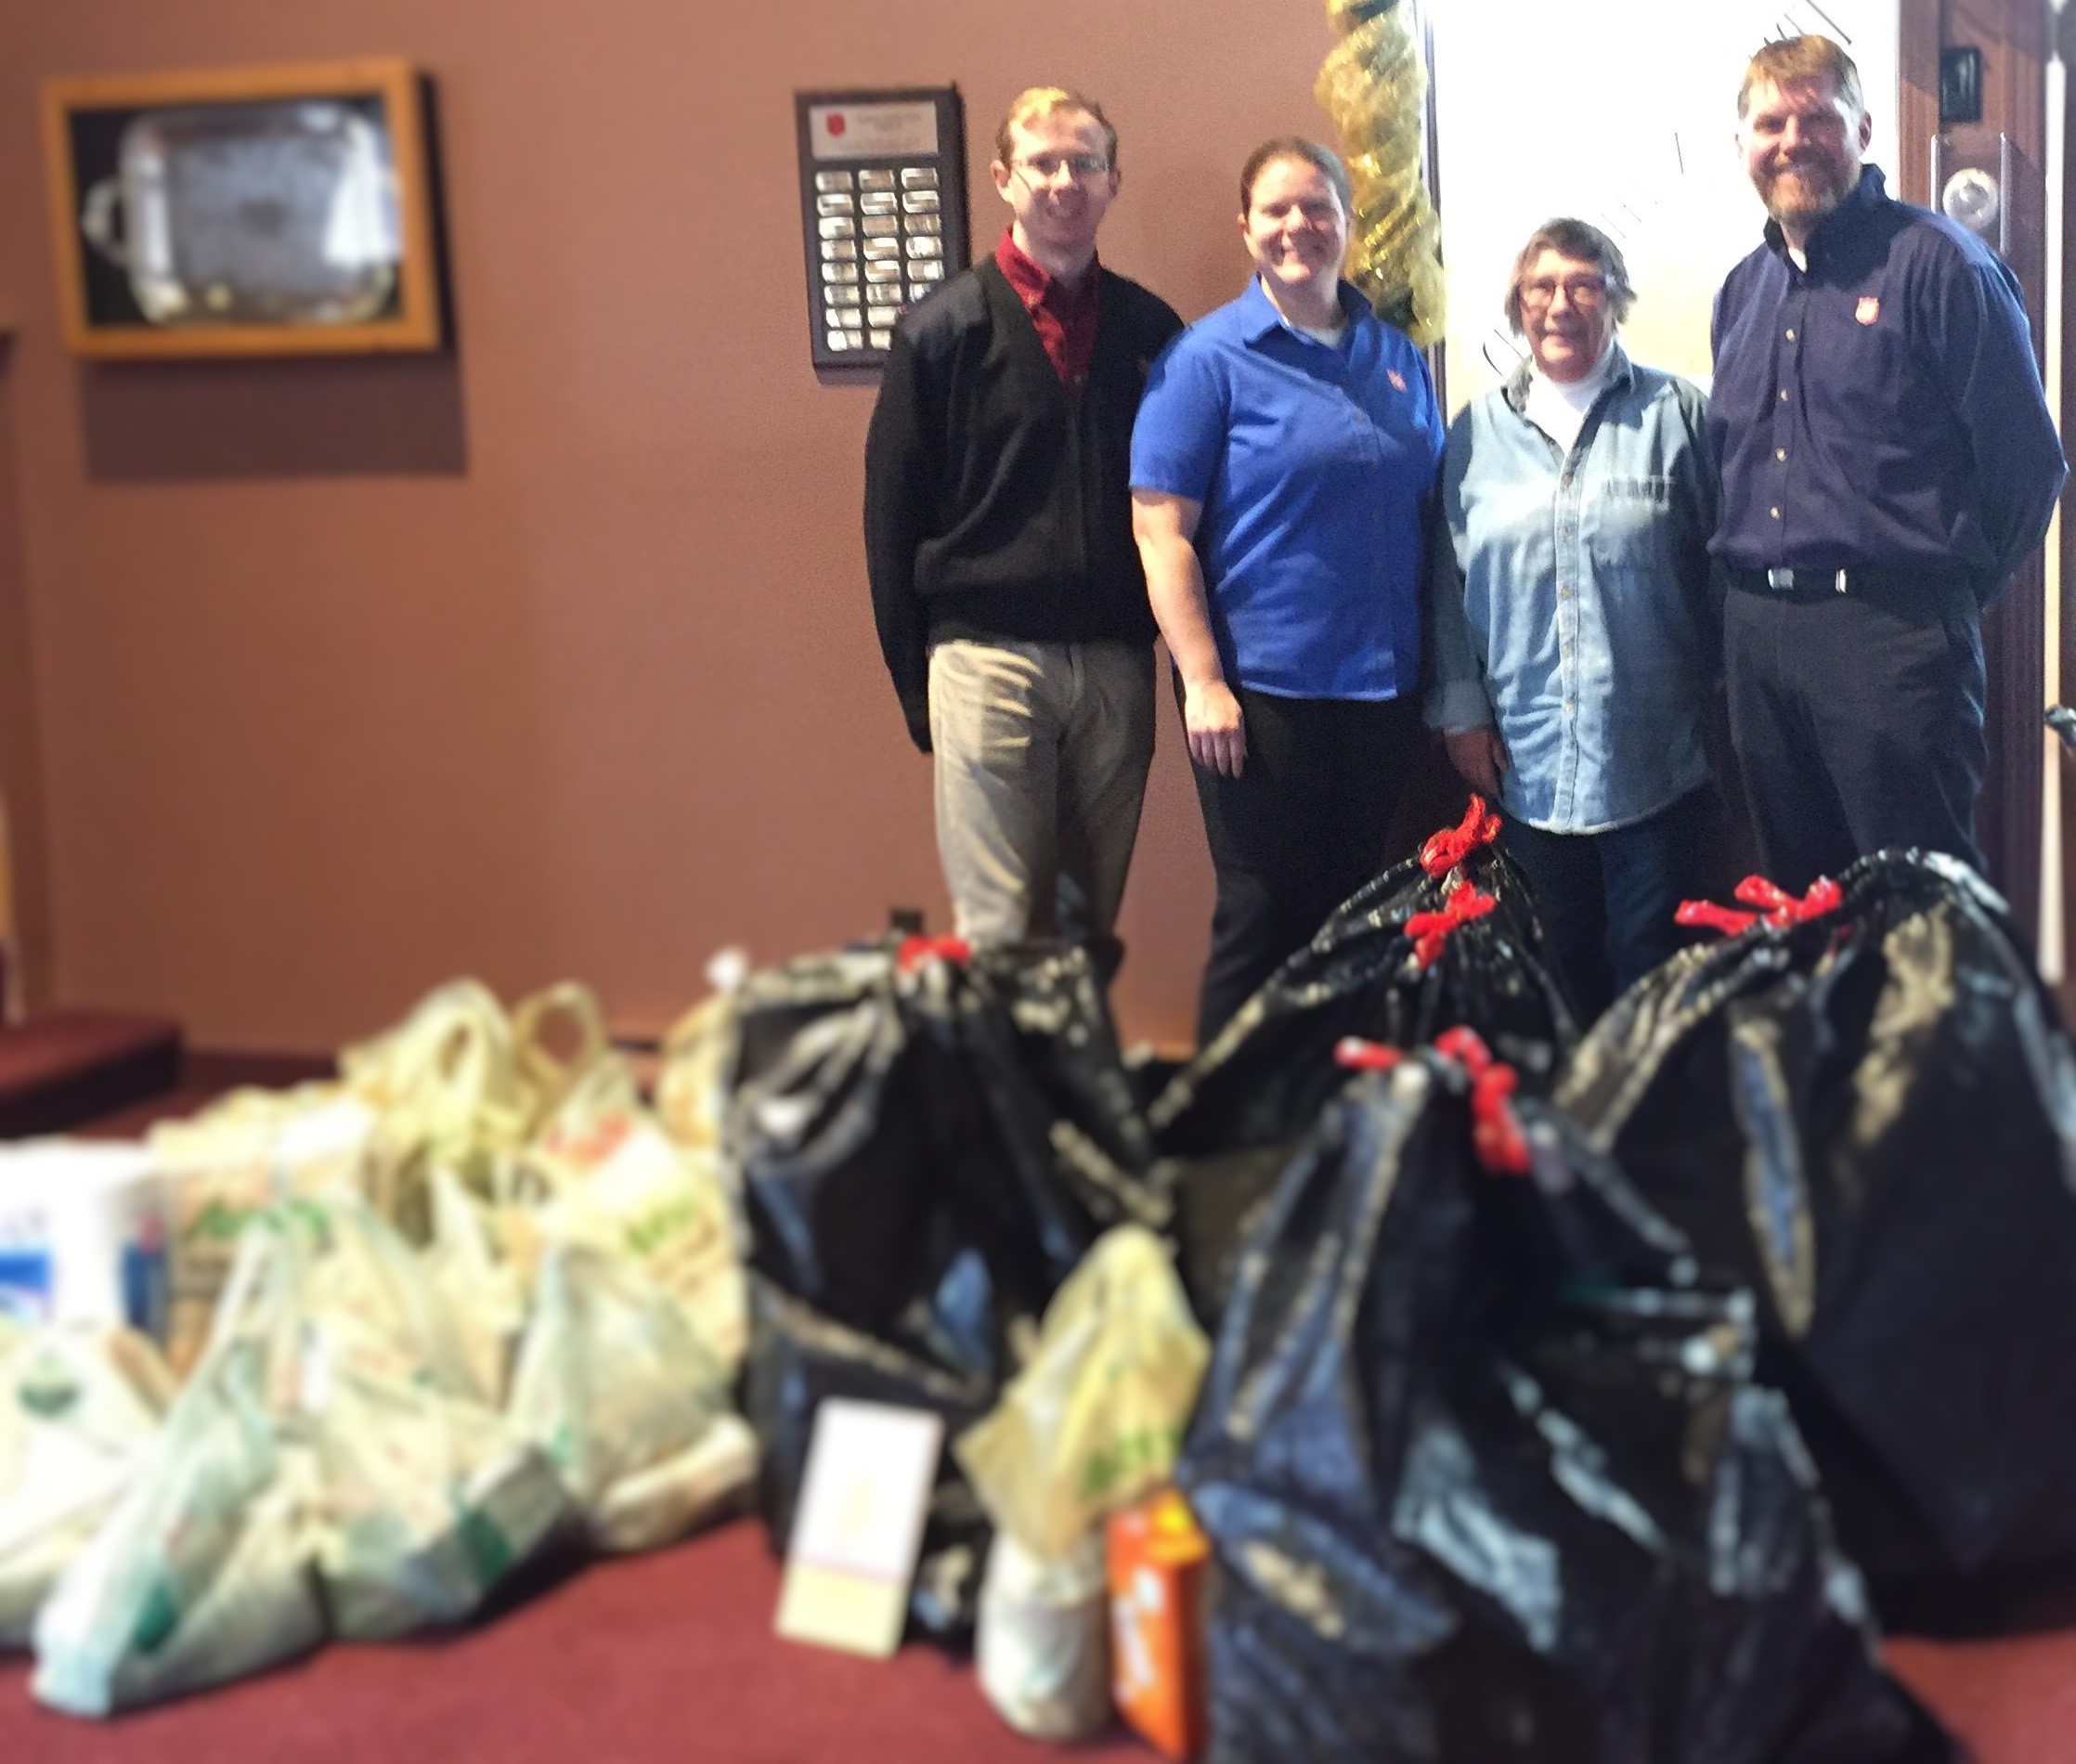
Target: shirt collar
1857	204
1619	374
1259	316
1036	285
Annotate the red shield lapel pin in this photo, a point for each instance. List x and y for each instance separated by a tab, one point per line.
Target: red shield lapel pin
1869	308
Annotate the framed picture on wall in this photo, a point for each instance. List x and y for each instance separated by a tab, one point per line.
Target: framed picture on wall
254	211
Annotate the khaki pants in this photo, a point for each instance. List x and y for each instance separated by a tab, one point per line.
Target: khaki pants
1042	752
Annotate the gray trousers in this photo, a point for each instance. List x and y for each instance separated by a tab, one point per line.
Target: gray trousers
1042	752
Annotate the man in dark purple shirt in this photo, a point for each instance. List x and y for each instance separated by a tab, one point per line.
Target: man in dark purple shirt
1888	460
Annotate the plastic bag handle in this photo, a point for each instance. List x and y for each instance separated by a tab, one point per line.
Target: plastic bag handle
551	1077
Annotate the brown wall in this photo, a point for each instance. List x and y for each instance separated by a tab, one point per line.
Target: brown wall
552	657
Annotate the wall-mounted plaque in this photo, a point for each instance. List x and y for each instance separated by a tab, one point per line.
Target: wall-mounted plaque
255	210
882	211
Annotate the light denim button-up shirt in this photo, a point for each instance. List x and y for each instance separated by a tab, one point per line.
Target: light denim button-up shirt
1572	602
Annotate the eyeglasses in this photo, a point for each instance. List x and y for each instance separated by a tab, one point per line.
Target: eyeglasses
1580	290
1041	168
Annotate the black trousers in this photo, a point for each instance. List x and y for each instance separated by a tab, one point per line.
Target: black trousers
1309	822
1858	721
1606	900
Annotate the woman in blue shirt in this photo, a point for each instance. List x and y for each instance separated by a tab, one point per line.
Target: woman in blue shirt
1572	619
1282	464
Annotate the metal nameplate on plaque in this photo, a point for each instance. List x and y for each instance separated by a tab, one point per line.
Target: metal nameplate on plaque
876	272
918	178
923	223
920	203
842	272
838	226
827	181
881	225
866	129
840	250
841	296
835	205
878	203
926	248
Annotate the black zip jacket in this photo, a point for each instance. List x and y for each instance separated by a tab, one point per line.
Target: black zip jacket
997	501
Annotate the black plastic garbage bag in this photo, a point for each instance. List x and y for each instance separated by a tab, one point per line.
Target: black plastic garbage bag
928	1143
1489	1482
798	1357
1371	973
1037	1141
829	1122
1871	1117
929	1140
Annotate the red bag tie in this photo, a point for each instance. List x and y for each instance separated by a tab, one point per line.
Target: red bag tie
1448	847
1353	1053
1496	1133
1709	916
1430	932
1780	907
1823	896
915	951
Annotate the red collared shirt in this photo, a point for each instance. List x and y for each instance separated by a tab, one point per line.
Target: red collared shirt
1064	317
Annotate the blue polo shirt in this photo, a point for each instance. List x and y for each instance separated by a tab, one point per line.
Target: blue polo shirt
1314	463
1880	407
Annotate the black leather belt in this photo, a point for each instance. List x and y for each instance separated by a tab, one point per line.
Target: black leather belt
1856	579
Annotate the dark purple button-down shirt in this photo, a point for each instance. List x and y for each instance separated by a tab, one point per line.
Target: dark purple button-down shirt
1882	408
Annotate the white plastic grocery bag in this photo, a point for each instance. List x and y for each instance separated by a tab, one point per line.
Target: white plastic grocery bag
449	1088
635	1192
1096	1418
203	1573
79	1408
615	1385
1043	1640
221	1168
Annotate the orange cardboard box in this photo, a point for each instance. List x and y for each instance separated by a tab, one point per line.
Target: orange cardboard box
1158	1564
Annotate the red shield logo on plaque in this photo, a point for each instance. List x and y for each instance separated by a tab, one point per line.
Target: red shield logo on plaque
1869	308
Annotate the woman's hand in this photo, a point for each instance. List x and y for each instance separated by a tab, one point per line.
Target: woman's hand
1211	717
1479	757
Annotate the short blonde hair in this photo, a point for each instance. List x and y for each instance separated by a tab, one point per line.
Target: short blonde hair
1045	101
1810	57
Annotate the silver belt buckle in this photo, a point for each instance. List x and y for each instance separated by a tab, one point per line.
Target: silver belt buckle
1779	581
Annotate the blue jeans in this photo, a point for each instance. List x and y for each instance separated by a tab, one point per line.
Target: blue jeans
1606	900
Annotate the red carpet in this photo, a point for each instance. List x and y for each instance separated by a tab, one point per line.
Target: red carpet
671	1658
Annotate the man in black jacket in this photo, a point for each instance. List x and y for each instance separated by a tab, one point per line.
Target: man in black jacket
1011	607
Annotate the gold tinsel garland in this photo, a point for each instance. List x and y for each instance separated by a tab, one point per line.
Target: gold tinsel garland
1374	87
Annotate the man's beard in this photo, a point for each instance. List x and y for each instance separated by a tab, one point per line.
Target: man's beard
1813	196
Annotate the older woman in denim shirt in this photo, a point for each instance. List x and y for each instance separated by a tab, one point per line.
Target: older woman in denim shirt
1572	620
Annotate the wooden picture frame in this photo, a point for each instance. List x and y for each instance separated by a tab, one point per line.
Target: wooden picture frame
112	143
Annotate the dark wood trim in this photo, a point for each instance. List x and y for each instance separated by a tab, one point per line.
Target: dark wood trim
2012	35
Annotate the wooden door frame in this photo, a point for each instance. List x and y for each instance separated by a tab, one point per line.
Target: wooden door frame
2012	37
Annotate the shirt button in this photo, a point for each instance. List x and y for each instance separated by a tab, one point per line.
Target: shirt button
1784	394
1780	453
1774	513
1791	335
